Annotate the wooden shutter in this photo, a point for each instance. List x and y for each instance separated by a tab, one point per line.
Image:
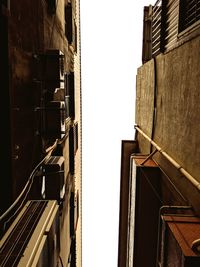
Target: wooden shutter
189	13
156	28
171	23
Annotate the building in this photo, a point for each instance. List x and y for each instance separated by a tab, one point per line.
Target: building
160	183
40	155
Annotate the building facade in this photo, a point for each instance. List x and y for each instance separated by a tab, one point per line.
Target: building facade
41	133
160	193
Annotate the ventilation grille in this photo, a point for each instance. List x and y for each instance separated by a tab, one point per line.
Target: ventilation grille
14	246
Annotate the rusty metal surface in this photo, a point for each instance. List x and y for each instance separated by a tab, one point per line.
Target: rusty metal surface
140	159
185	230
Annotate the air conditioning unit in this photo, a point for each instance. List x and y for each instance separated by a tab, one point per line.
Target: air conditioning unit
54	68
54	124
33	238
59	94
180	241
54	178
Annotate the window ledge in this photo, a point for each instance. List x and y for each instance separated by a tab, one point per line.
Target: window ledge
190	32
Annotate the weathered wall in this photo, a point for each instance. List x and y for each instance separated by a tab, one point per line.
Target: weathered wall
25	39
144	101
32	30
78	158
177	105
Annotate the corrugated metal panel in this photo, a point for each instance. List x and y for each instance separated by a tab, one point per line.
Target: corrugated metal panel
172	21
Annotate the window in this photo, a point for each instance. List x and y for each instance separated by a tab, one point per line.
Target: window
75	37
69	94
71	151
68	23
189	13
75	137
51	4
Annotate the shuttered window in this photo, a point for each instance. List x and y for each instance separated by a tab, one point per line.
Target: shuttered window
189	13
156	28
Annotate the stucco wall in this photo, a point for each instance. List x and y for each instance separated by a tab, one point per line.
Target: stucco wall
177	104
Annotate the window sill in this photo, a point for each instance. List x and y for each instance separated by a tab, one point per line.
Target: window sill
187	35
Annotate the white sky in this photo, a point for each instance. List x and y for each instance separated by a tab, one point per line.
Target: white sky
111	44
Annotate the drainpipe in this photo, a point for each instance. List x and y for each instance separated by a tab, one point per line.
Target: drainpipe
170	159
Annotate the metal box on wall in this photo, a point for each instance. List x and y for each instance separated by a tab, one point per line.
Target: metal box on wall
54	124
54	178
54	68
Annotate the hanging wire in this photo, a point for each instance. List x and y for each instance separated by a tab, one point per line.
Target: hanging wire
20	206
61	261
28	185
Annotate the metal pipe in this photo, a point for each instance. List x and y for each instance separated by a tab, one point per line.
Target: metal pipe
170	159
149	156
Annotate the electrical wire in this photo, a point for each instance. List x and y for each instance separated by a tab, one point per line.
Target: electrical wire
20	206
61	261
27	186
23	191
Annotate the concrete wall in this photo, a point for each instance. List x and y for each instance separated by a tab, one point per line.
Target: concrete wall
177	108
